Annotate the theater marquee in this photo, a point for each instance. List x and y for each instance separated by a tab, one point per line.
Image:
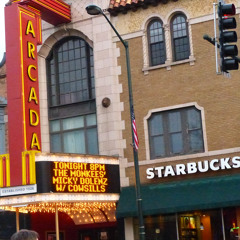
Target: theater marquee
97	175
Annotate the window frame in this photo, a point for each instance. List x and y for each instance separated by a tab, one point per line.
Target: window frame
186	150
154	20
62	131
82	107
173	40
54	54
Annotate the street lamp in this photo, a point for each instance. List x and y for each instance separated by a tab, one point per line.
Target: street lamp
95	10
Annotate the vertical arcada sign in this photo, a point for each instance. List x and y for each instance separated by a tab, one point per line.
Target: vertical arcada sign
23	34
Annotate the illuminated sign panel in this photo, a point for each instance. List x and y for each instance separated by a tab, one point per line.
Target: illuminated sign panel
77	177
22	85
31	115
23	34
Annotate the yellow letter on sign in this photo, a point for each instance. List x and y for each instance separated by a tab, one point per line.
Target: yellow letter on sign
30	29
35	142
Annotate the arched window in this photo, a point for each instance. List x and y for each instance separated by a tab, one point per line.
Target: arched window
180	38
157	51
71	97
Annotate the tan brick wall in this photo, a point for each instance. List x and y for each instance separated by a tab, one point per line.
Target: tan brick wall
132	21
218	95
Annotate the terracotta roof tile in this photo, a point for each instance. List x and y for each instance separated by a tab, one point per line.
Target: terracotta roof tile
123	6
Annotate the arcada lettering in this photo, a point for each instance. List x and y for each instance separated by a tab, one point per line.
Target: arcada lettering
194	167
32	76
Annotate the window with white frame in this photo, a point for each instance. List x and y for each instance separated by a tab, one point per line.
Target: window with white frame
175	132
180	37
156	40
71	97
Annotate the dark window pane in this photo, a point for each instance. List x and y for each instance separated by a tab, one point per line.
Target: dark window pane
156	126
76	44
70	44
158	146
73	142
72	123
65	46
156	43
91	120
174	122
196	140
60	67
60	57
72	65
92	141
54	100
54	126
77	53
66	67
53	88
180	38
65	56
55	141
71	54
193	117
73	77
176	143
160	227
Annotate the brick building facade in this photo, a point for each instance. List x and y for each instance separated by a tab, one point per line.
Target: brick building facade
184	173
186	116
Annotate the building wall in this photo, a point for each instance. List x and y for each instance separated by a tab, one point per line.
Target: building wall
191	82
175	85
96	31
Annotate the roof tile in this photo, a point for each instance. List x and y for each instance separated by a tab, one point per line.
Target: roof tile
123	6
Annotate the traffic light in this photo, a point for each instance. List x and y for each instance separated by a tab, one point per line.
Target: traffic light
228	52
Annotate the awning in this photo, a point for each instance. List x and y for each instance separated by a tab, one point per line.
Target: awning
188	195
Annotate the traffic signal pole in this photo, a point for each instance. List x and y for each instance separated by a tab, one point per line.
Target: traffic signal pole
227	51
215	38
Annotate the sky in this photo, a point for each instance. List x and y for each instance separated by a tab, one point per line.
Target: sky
2	28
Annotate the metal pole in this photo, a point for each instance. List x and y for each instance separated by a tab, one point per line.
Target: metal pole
17	219
223	225
56	223
135	153
215	38
177	228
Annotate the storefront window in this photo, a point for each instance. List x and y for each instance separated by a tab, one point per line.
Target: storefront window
159	227
196	225
200	225
231	225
